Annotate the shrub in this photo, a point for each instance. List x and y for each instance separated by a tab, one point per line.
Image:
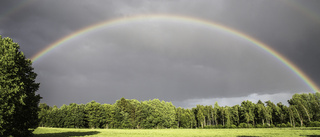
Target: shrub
298	124
265	126
219	126
208	127
243	125
313	124
233	126
272	126
288	124
259	126
283	125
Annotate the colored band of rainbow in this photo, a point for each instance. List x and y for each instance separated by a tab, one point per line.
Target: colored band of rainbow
228	30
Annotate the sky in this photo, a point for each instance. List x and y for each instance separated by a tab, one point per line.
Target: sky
180	61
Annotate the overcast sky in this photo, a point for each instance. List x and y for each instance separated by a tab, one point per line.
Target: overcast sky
185	63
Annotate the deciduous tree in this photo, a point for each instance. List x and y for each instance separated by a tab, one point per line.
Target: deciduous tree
18	99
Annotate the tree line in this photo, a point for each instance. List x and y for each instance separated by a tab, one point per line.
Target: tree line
303	110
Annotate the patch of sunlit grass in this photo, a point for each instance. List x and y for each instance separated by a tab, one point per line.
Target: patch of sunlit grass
284	132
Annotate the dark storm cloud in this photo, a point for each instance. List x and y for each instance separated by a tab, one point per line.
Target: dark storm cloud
42	22
283	26
169	69
175	62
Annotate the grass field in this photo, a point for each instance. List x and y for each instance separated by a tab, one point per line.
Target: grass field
252	132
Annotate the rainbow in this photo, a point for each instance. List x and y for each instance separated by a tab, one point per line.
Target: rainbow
192	20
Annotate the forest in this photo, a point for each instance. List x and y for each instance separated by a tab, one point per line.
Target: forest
303	110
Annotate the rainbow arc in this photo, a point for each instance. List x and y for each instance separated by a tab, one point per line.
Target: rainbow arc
182	19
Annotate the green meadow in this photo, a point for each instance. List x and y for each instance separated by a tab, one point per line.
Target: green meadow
244	132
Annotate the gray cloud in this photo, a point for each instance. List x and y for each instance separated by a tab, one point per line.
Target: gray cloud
110	68
161	59
275	98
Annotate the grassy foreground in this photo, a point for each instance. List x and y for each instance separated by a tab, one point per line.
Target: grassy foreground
283	132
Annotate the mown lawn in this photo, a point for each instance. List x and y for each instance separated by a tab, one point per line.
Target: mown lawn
263	132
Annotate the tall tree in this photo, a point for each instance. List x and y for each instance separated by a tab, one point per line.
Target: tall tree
248	111
222	115
200	115
291	116
178	116
227	116
43	114
301	107
215	113
272	111
235	115
260	110
126	113
168	114
107	115
208	115
55	118
142	115
18	99
282	112
80	116
315	105
94	114
268	115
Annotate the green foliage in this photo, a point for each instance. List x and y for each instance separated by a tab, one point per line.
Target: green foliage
278	125
208	127
314	124
283	125
272	126
289	124
200	116
94	114
233	126
259	126
243	125
156	114
219	126
297	124
43	113
18	101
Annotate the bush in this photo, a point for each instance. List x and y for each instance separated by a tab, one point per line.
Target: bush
259	126
278	125
265	126
219	126
283	125
313	124
208	127
288	124
298	124
272	126
243	125
233	126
